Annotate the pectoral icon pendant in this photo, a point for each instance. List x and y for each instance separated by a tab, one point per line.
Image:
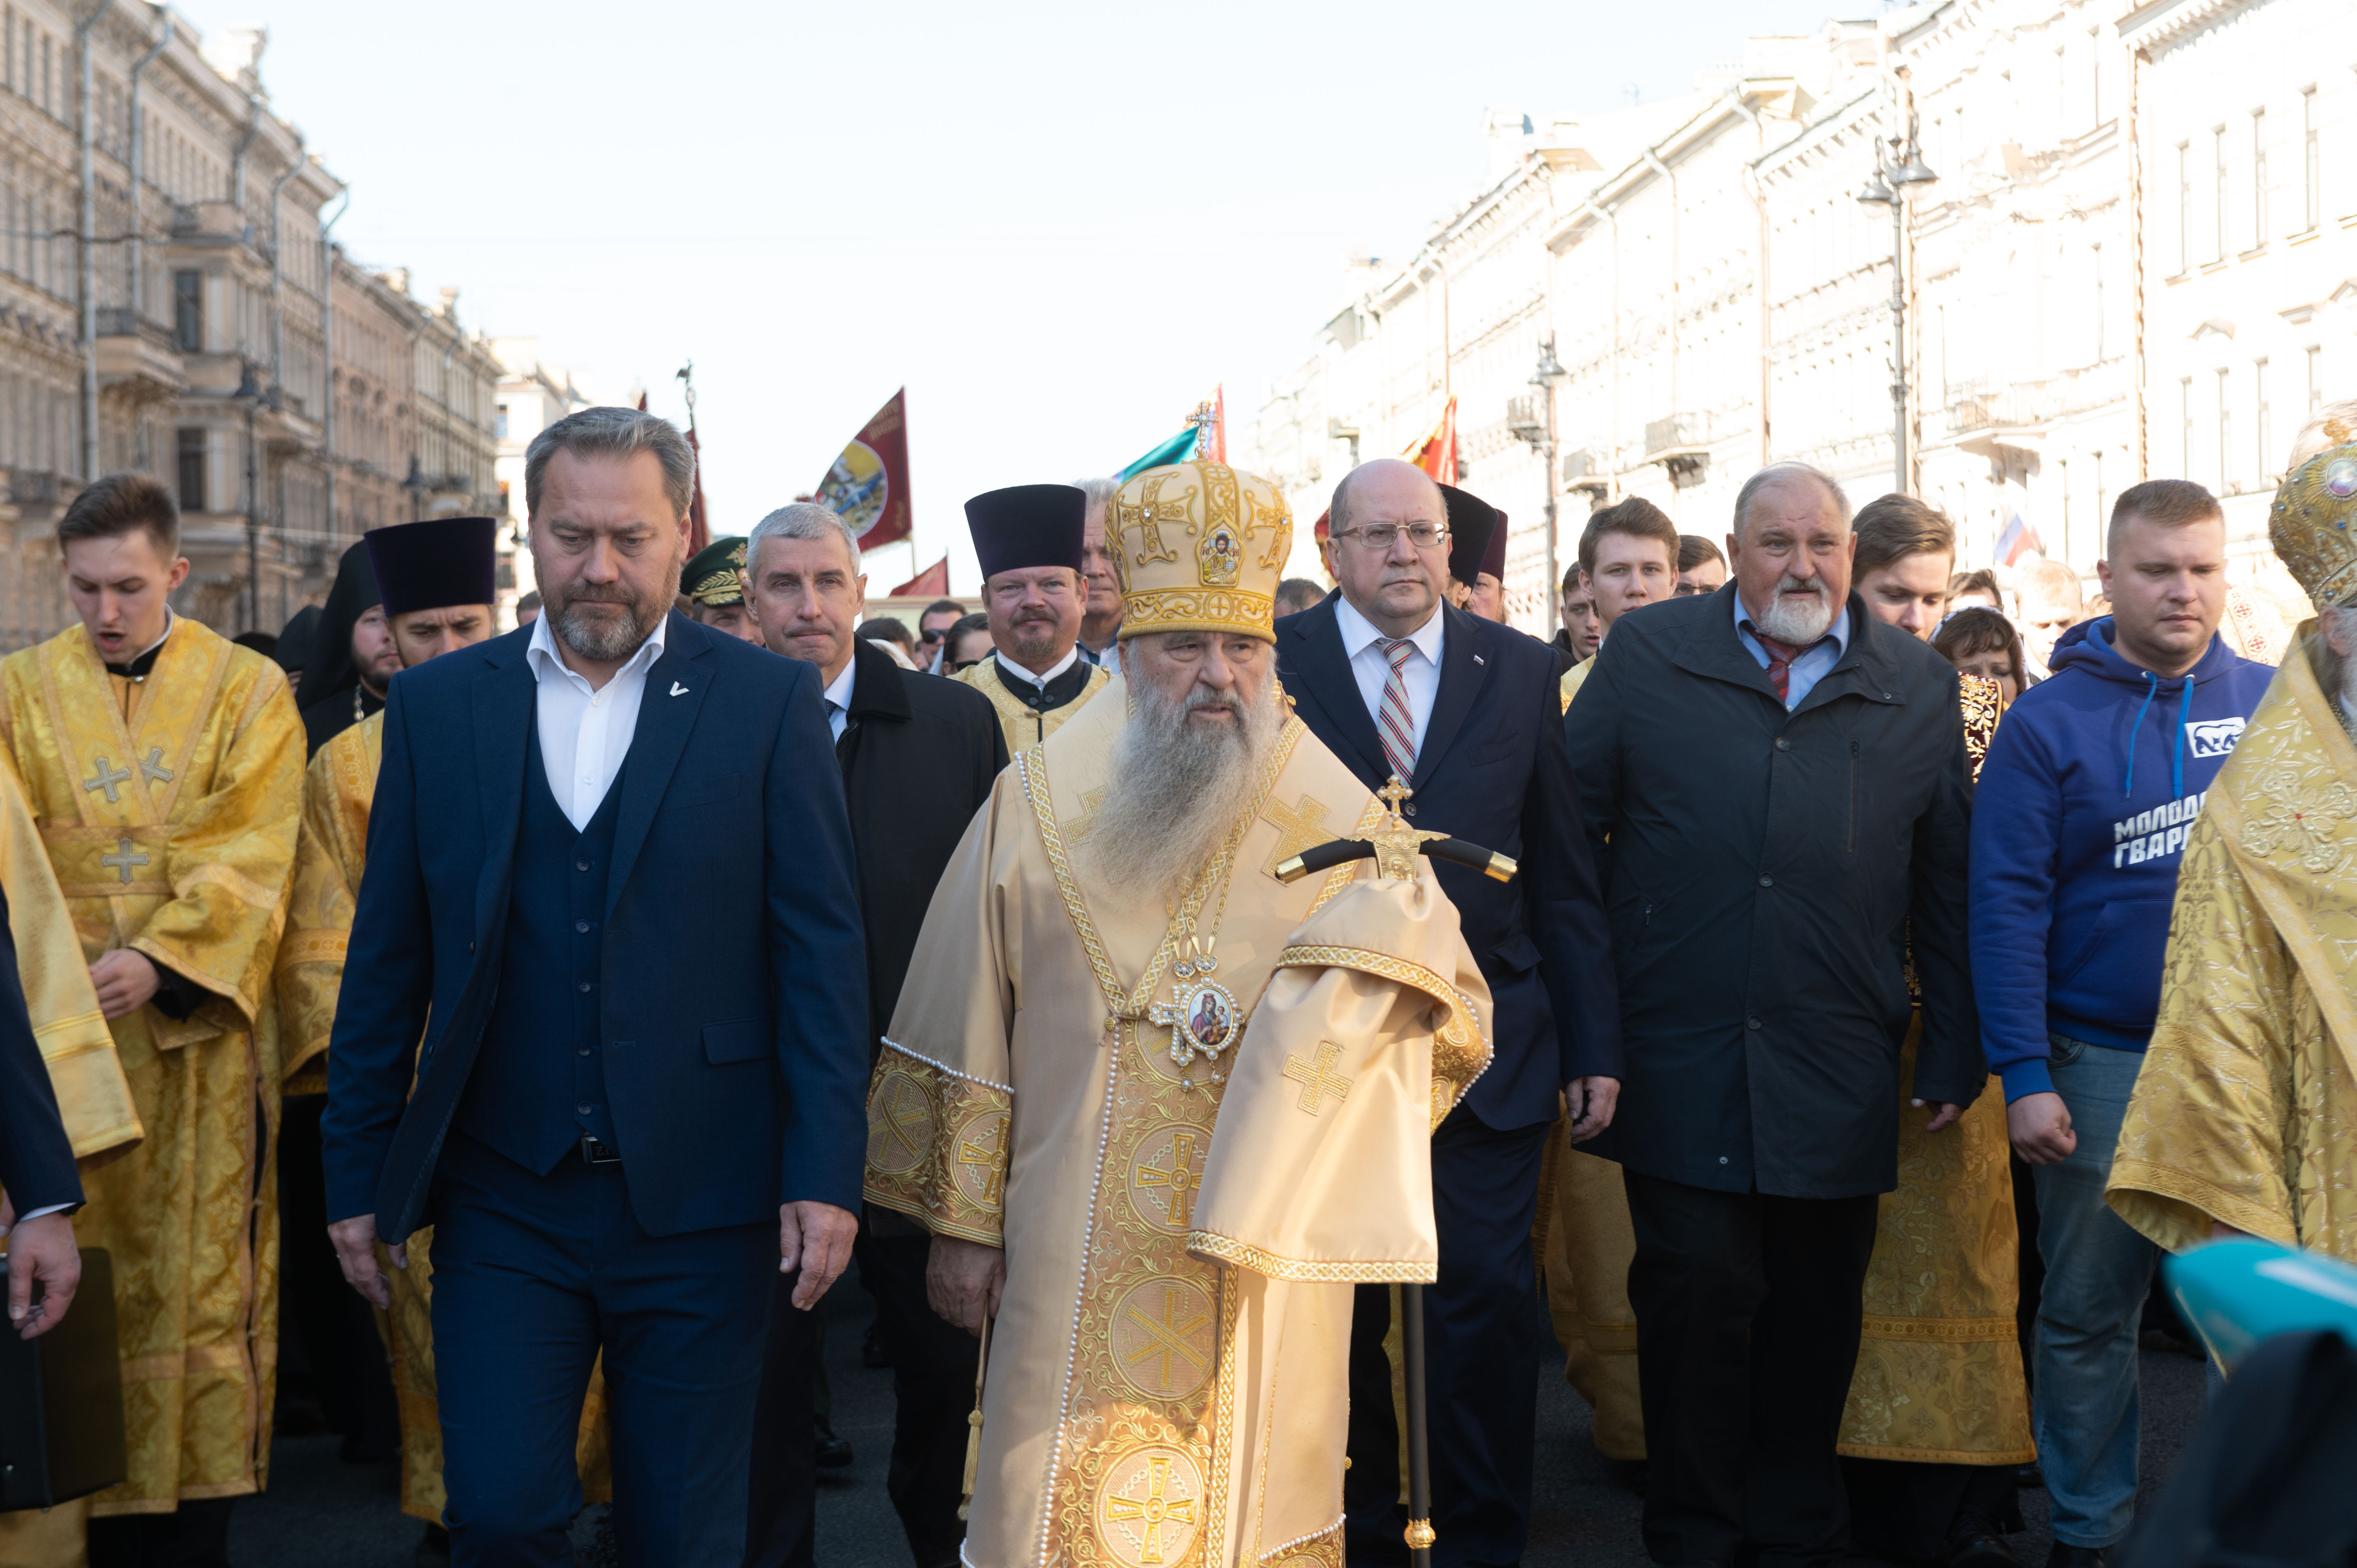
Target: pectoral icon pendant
1201	1015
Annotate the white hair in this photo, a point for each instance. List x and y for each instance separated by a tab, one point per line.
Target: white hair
1100	492
1776	474
801	520
1178	788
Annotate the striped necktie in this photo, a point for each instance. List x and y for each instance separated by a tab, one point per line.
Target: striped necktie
1398	718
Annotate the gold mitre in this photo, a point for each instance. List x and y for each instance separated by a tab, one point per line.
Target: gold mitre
2309	525
1199	546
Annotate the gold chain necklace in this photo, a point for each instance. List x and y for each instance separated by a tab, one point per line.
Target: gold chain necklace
1202	1014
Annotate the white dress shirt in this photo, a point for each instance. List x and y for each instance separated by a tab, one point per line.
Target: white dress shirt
838	698
1421	674
1014	671
586	733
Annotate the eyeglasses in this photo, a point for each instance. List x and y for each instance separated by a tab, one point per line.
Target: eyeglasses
958	664
1382	536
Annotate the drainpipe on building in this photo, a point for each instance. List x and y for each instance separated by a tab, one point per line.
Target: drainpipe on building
245	145
277	294
1751	188
89	257
327	355
1653	161
2137	370
137	293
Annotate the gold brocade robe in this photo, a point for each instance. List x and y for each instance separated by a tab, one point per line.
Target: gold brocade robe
2245	1110
94	1096
338	789
1026	726
1028	1096
168	808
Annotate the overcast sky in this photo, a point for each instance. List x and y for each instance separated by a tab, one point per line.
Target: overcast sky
1058	225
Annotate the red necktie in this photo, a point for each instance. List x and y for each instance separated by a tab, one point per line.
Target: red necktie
1779	659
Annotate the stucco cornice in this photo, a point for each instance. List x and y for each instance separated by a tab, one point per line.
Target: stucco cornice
2161	24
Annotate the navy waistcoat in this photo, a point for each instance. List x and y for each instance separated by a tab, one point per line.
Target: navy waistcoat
540	1081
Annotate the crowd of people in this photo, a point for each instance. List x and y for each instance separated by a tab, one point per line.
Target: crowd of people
1851	972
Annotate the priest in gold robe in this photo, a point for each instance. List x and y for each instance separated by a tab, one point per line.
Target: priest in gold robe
165	767
1161	1108
1030	541
2244	1115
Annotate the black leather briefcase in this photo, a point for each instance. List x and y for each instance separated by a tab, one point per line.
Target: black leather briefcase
61	1398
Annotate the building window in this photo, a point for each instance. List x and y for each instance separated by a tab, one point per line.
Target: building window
2312	171
2218	166
2315	380
2258	177
499	421
191	452
2096	266
2098	455
2262	432
2225	432
189	311
2184	207
2095	74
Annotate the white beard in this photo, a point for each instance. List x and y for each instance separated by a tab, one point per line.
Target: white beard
2343	619
1797	620
1177	790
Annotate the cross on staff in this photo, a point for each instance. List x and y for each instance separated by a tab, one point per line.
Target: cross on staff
107	778
123	860
1317	1080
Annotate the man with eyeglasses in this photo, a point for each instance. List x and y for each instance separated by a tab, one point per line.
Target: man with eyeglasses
1465	712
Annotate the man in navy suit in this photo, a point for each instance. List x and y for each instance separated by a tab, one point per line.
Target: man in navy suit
1466	712
39	1188
610	920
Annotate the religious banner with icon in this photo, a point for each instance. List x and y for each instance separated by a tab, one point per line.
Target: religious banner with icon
868	483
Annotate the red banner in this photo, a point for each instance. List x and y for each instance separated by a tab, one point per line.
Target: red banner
932	581
867	484
1435	450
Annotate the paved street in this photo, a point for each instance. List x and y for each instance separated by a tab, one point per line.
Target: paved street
321	1511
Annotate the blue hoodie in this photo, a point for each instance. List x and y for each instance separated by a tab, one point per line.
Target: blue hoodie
2079	823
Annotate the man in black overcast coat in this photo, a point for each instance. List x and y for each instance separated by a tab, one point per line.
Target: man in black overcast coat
1476	732
1775	785
918	753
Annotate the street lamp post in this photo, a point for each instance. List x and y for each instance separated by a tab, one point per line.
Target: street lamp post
1527	423
249	395
1898	167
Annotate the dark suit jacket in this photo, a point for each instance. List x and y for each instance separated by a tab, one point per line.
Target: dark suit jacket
730	903
37	1162
1762	870
1492	769
919	756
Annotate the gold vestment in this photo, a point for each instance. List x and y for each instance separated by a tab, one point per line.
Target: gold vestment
1145	1403
1027	726
338	789
168	808
2245	1112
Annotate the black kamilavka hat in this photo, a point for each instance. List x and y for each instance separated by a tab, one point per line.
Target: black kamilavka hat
1027	525
435	563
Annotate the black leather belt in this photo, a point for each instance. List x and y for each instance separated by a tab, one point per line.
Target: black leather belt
594	1153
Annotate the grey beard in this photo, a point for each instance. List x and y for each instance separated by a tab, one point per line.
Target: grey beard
1176	791
605	640
1797	621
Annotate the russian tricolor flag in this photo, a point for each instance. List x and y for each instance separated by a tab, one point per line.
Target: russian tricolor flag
2018	539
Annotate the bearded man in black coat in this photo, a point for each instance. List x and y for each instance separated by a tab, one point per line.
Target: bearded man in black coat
1775	787
917	753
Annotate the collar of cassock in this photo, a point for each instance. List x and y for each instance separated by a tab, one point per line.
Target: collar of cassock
1045	699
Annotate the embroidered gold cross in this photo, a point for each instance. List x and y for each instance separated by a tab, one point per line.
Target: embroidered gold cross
992	1156
1150	514
903	1108
151	765
108	777
1153	1511
1181	1178
123	860
1166	1338
1318	1079
1078	829
1298	827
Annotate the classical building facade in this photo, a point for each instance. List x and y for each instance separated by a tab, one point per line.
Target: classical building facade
532	395
2138	259
186	326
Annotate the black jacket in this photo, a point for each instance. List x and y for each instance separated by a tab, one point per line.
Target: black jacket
1492	770
1762	870
36	1161
919	756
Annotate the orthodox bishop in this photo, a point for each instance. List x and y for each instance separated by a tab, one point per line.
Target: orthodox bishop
1161	1108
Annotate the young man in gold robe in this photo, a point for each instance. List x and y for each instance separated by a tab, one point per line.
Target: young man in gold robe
1030	539
2244	1115
1110	951
164	766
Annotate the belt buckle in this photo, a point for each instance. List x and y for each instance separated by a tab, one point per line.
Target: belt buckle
594	1153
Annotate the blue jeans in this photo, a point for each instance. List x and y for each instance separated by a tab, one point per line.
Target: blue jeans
2098	1272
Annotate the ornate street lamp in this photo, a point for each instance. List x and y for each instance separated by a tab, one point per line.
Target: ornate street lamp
1898	167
